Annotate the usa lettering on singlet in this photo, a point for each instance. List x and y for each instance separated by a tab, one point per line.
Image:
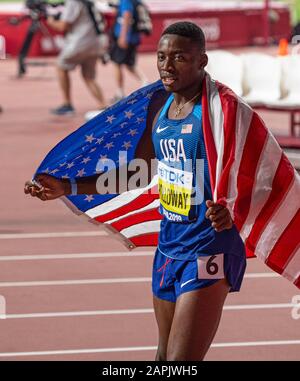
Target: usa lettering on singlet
175	143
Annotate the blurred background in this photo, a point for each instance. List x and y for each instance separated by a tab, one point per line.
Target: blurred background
61	277
259	33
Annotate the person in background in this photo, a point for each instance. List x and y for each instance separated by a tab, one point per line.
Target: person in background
125	41
83	46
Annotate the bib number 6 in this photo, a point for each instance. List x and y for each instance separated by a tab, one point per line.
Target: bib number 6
211	267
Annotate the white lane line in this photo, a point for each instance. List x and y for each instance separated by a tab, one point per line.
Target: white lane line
80	313
76	256
53	235
145	348
140	311
262	275
256	343
74	282
260	306
105	281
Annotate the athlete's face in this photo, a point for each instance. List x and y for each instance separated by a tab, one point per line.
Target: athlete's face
180	62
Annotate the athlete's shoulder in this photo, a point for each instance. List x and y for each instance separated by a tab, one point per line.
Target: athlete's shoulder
145	148
156	104
158	100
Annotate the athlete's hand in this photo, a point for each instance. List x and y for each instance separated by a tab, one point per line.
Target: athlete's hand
50	189
219	216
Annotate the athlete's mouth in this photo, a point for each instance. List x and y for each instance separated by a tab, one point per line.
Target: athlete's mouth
168	79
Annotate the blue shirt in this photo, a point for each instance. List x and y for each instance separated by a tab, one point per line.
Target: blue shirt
184	186
126	6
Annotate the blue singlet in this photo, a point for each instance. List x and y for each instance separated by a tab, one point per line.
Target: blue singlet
184	186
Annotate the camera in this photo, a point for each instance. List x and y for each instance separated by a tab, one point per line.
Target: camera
37	8
39	5
38	11
40	8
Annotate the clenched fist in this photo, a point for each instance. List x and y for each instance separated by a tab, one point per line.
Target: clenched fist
50	188
219	216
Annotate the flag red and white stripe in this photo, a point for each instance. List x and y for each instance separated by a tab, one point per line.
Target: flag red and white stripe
253	177
133	216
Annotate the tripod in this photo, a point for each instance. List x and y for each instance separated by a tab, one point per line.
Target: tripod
35	25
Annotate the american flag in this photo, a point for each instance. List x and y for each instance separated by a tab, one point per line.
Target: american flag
187	129
249	173
253	177
132	216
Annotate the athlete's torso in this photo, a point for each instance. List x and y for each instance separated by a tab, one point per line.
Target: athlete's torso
184	186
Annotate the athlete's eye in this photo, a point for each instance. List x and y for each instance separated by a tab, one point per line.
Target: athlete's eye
179	57
160	57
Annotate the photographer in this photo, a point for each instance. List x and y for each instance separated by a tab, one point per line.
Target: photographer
83	45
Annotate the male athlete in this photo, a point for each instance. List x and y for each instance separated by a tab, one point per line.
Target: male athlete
200	256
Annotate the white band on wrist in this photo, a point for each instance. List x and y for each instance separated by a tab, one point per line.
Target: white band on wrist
73	187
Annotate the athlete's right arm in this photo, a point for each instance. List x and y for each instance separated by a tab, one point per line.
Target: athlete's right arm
145	149
49	187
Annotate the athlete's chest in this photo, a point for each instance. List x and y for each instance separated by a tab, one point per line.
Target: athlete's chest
176	141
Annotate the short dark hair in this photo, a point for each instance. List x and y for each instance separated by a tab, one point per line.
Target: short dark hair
189	30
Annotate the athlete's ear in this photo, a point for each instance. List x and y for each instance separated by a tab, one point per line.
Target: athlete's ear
203	61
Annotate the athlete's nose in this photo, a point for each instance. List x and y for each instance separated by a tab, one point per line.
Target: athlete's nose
168	65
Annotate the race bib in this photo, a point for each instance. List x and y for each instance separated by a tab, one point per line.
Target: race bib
175	188
211	267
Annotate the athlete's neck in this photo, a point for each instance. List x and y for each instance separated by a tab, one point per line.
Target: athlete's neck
187	94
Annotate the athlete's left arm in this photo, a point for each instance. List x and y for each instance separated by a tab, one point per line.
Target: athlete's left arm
219	216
